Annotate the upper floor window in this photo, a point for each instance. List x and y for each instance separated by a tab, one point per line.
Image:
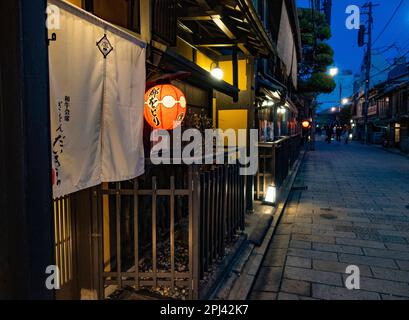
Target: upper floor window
164	21
124	13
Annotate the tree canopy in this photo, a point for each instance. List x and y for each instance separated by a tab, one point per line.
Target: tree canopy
317	54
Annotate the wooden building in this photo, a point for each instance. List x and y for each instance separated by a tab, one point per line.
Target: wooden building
170	231
388	112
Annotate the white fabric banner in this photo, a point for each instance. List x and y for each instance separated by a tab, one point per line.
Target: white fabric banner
286	45
97	85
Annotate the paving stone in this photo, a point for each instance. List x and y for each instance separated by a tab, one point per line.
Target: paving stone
393	233
349	235
303	220
275	258
288	297
336	293
314	238
262	296
280	242
312	254
299	262
309	275
300	245
401	227
300	229
401	255
370	229
338	267
296	287
390	274
308	298
385	286
291	211
284	230
375	226
360	243
392	297
269	279
369	261
337	248
288	219
403	265
321	226
392	239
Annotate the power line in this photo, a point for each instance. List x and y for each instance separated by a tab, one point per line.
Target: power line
380	50
405	54
382	71
390	20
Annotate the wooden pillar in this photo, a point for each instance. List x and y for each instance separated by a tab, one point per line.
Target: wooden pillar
26	220
235	62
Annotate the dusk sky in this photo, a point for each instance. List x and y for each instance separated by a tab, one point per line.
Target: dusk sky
344	41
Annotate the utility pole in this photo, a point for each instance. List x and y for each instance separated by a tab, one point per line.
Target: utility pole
368	64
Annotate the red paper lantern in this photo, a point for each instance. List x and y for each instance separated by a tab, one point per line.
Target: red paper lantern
165	107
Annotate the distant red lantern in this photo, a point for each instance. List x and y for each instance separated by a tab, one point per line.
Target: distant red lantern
306	124
165	107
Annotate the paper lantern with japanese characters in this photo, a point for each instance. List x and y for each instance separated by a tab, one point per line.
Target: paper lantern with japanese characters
165	107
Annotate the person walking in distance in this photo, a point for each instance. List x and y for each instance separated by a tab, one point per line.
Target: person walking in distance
338	133
348	133
329	134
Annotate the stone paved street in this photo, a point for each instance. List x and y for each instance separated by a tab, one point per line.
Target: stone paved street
354	212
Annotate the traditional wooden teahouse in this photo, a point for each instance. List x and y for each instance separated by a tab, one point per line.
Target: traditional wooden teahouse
122	226
388	110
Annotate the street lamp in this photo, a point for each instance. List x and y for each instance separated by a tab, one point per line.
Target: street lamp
216	72
306	124
281	110
267	103
333	71
345	101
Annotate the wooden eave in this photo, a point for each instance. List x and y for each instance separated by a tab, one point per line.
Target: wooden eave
221	25
172	62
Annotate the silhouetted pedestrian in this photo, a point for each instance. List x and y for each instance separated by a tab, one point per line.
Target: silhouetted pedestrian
329	134
338	133
348	134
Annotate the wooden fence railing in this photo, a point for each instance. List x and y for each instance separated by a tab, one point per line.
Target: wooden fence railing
167	228
275	162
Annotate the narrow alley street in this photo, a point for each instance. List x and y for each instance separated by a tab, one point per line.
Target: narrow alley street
355	211
158	151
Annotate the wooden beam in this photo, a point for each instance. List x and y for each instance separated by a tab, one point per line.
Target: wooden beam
211	10
199	18
219	22
197	13
217	42
243	48
204	4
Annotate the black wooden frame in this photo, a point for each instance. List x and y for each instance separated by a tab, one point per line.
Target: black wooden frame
88	5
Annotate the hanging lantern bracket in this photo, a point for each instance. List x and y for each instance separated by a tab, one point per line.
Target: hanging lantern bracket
53	38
